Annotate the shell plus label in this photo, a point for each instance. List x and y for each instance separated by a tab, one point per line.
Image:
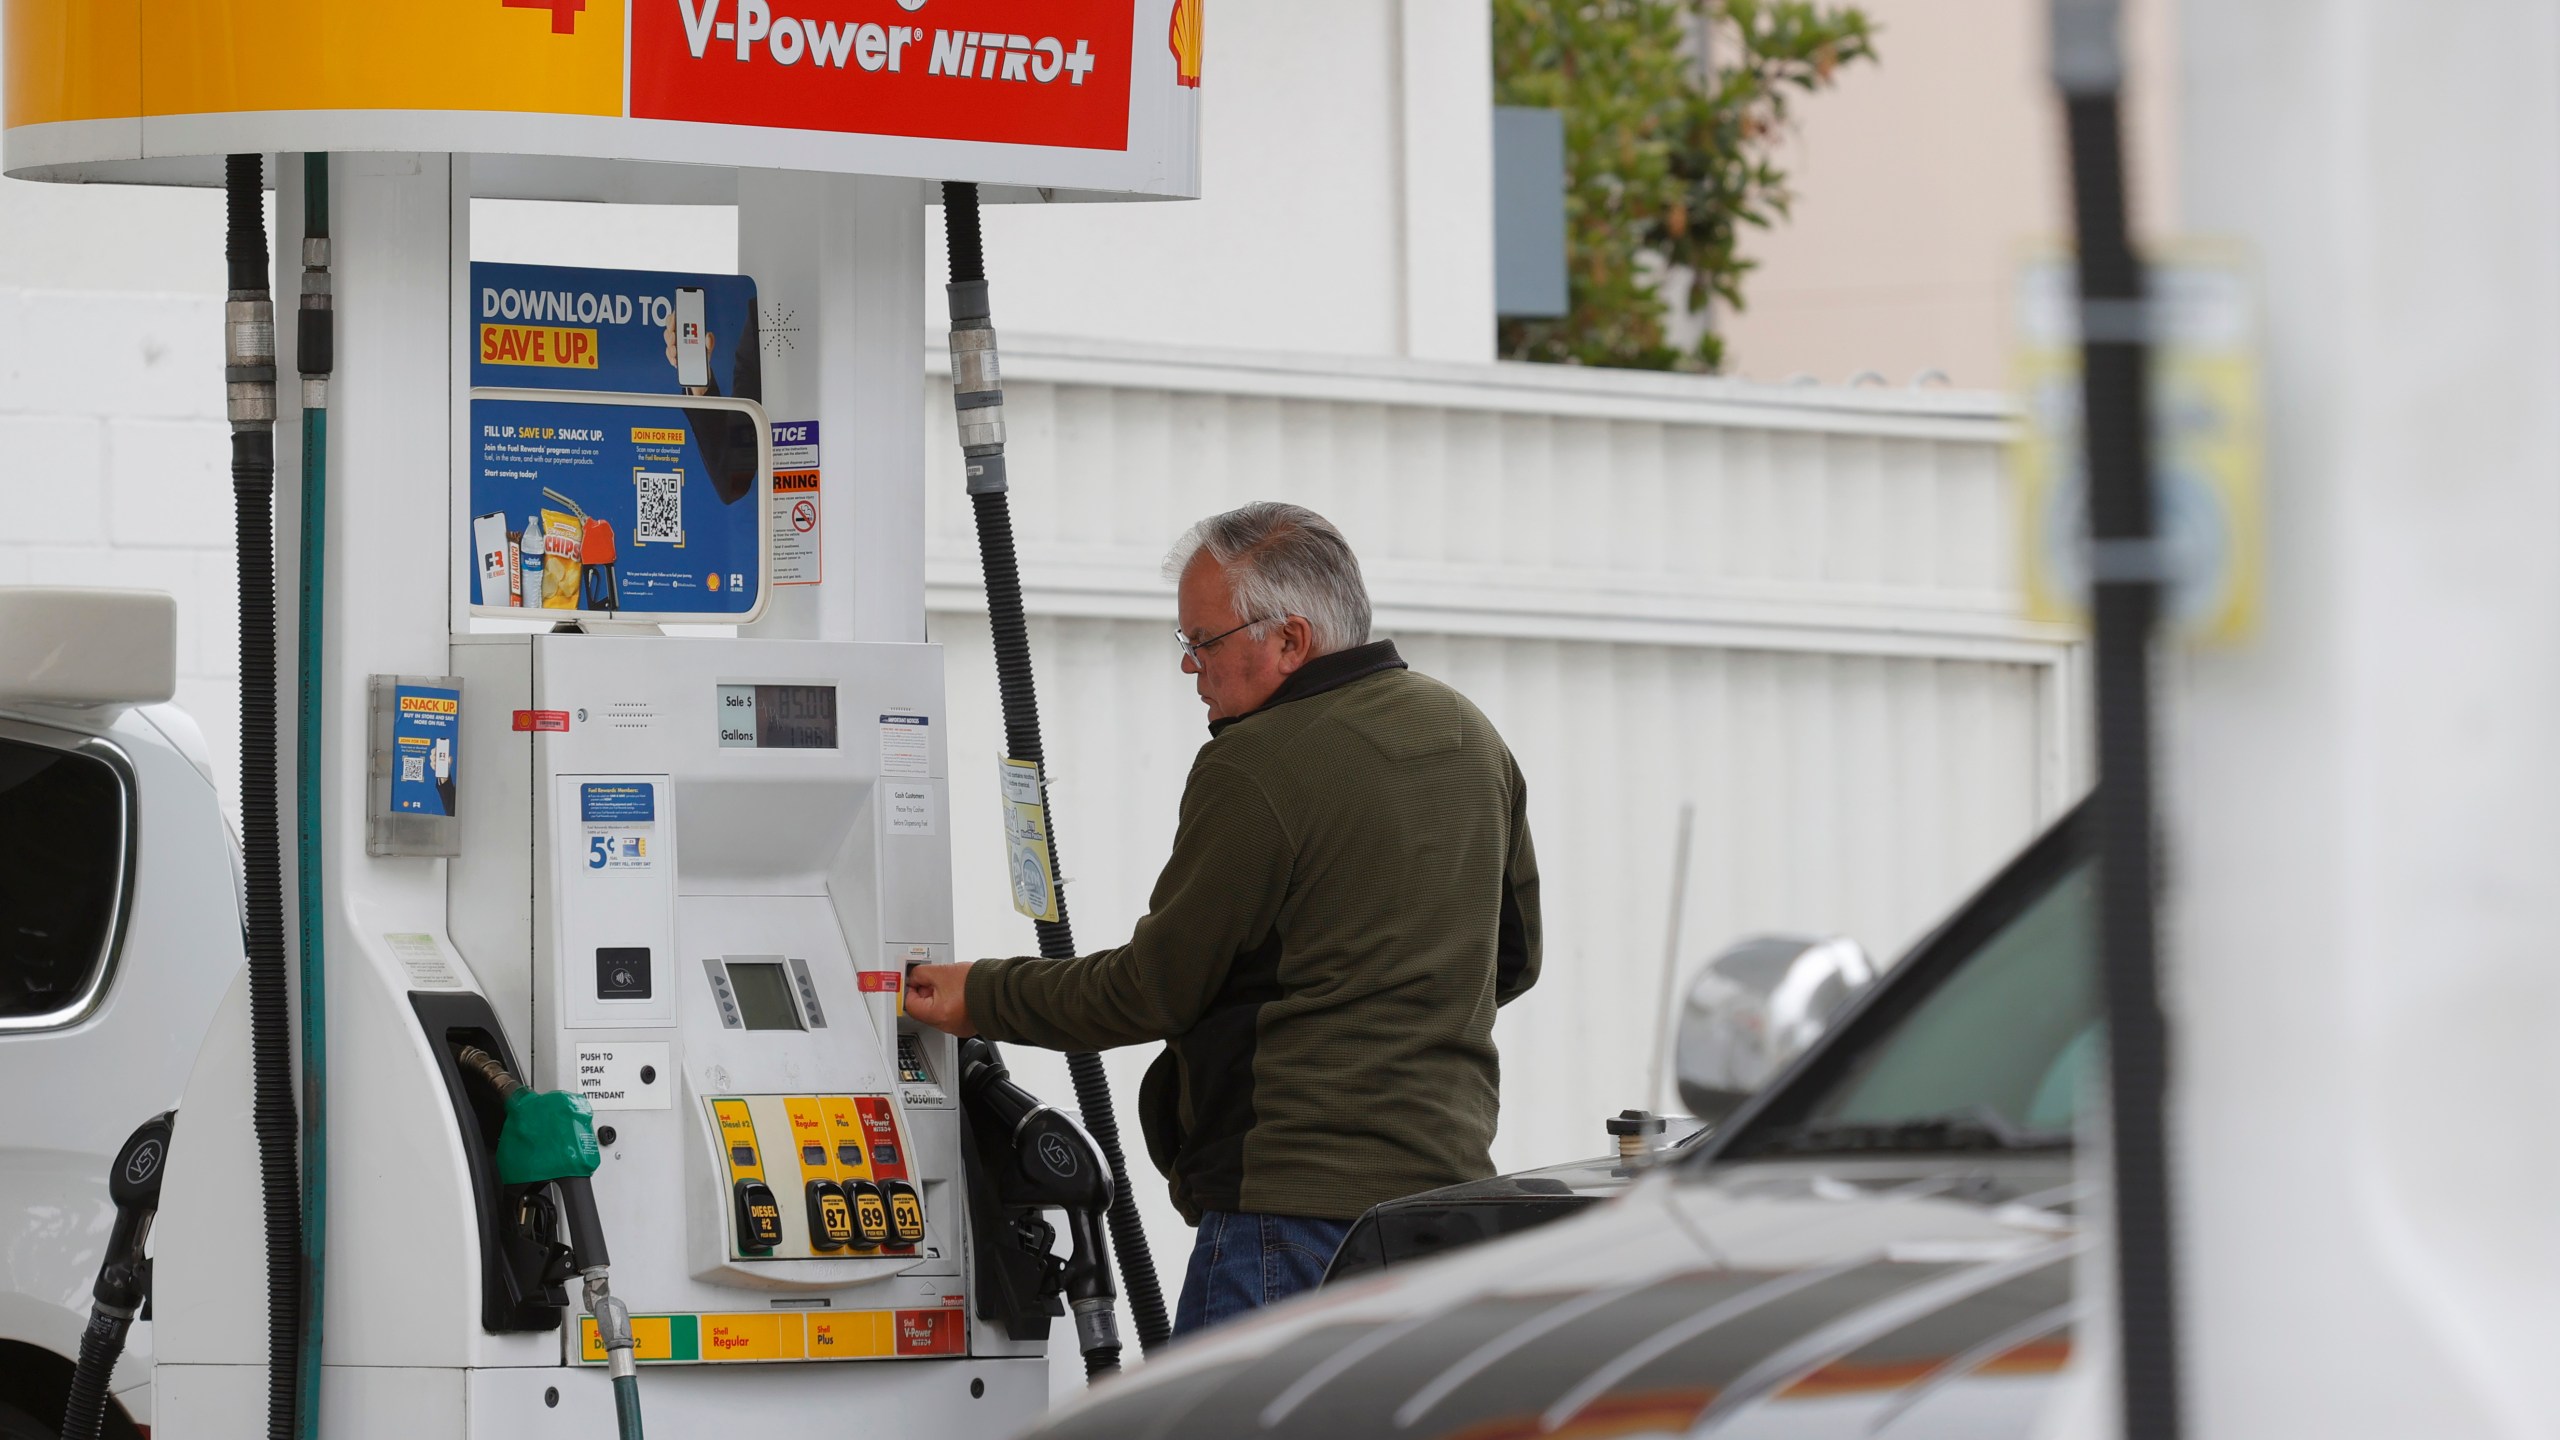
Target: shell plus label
862	1335
993	70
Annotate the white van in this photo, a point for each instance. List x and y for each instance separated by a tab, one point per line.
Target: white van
104	997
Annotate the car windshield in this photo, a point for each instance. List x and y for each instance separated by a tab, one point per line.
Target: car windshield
1993	1057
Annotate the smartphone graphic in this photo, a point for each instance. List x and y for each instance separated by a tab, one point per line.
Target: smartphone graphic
693	352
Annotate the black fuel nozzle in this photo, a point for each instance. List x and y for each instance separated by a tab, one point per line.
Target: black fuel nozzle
1055	1165
124	1278
124	1281
586	1229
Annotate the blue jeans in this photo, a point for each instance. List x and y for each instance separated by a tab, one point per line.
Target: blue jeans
1243	1262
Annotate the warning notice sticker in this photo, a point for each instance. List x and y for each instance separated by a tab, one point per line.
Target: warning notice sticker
799	556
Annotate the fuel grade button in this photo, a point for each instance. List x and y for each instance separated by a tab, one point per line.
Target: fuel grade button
906	1212
830	1216
870	1214
759	1217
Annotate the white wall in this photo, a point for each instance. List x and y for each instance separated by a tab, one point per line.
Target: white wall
2360	830
114	458
1346	207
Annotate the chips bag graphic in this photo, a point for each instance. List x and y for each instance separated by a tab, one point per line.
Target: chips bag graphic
563	538
1185	39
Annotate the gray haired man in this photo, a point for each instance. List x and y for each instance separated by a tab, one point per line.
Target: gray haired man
1351	894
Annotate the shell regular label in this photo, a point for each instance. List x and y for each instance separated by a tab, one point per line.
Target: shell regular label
986	70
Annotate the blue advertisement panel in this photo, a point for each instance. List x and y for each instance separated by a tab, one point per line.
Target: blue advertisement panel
426	739
605	507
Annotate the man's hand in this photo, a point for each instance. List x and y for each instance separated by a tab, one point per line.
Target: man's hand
938	995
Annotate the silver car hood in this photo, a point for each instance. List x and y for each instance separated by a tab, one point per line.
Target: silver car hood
1900	1297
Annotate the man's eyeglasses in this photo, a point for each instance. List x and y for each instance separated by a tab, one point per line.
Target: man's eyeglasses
1191	648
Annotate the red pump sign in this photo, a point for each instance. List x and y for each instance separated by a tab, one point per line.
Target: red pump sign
975	73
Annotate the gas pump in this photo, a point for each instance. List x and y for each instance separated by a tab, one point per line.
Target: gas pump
547	846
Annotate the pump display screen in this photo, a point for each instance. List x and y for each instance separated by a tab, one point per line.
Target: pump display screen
764	995
777	717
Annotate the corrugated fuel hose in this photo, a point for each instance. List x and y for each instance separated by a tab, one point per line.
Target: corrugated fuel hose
249	376
978	393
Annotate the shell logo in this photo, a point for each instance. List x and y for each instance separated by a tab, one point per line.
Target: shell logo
1184	37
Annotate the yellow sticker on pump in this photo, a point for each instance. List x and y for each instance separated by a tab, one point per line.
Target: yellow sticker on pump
652	1338
753	1337
738	1139
809	1138
844	1138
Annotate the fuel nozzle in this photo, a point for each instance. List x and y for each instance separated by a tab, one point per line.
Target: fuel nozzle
550	1139
124	1281
1055	1165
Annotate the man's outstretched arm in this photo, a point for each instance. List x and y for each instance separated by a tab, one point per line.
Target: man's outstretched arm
1219	895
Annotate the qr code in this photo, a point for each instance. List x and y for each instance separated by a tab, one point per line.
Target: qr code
661	508
413	768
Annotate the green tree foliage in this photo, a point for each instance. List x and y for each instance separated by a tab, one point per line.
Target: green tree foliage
1667	159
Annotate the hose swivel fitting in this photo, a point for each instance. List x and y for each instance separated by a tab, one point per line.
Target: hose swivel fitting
613	1323
314	337
977	390
249	359
1097	1325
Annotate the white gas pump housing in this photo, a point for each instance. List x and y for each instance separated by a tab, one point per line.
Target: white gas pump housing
695	918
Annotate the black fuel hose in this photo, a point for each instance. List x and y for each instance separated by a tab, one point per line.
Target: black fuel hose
979	394
2127	571
84	1415
249	373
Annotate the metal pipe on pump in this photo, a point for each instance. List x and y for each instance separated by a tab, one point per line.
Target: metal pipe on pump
314	356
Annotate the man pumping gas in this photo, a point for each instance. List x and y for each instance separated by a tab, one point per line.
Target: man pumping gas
1351	894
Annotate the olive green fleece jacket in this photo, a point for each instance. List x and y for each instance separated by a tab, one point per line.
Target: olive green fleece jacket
1351	893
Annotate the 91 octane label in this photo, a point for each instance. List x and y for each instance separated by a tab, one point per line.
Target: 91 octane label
987	70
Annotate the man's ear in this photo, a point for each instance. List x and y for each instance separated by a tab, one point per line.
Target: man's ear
1297	644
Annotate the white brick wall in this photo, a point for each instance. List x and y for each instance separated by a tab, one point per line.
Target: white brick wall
115	470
